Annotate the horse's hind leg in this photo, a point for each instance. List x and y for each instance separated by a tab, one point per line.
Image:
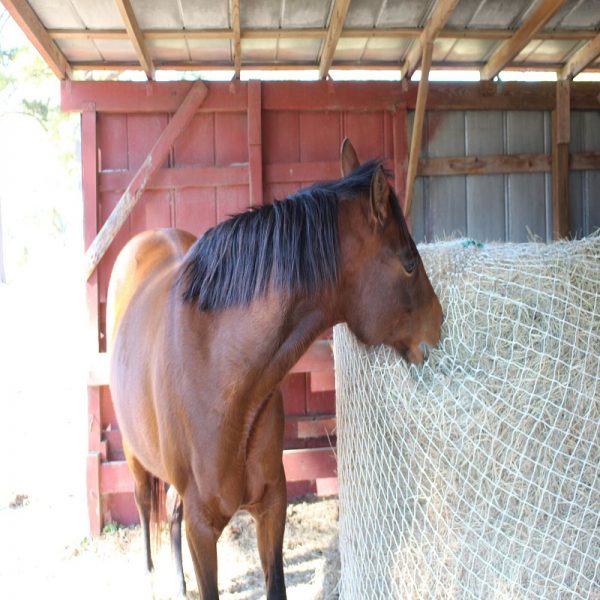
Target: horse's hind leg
143	499
175	516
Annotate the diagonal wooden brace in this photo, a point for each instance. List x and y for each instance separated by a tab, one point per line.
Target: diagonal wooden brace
140	180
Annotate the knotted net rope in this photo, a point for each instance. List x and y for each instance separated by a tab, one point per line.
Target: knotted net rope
476	475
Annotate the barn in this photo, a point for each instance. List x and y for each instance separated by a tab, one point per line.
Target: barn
184	122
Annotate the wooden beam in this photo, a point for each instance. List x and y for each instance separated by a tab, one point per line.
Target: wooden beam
138	184
561	136
255	159
400	144
136	37
315	33
581	59
336	24
585	161
29	22
237	44
539	16
439	16
417	132
484	165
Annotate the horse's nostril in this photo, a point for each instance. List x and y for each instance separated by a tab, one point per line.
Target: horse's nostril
425	348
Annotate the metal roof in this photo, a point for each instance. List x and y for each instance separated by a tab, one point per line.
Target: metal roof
488	35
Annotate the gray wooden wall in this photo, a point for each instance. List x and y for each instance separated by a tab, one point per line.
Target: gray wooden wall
510	207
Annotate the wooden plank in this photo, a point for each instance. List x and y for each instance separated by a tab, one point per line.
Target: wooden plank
437	20
313	463
561	137
581	59
255	159
125	97
484	164
182	177
315	33
336	24
136	37
138	184
415	143
93	492
304	172
138	97
115	478
322	381
29	22
585	161
236	40
400	143
543	11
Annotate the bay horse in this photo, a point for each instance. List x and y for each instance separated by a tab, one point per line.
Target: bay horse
202	332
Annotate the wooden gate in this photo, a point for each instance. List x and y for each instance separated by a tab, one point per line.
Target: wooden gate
247	144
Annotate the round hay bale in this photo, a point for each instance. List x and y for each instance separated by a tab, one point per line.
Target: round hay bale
476	475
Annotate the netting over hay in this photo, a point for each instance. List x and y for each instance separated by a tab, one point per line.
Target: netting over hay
476	476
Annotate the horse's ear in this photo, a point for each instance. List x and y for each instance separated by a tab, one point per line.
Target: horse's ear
380	197
348	157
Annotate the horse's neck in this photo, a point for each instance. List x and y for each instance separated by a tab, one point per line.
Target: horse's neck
278	330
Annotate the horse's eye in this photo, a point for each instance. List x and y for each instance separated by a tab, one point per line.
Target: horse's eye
410	265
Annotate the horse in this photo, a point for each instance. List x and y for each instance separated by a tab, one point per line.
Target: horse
202	332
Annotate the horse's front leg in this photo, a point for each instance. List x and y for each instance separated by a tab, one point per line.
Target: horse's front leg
269	515
202	539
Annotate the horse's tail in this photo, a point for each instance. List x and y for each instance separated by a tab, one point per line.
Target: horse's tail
157	509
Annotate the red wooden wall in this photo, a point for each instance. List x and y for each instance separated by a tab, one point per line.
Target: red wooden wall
248	143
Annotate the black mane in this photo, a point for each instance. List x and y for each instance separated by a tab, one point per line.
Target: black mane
292	243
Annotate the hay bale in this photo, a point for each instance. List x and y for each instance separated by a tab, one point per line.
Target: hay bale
476	476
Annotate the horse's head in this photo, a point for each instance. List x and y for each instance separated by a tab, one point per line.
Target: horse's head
387	296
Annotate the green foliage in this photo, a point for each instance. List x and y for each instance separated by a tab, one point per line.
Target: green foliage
110	527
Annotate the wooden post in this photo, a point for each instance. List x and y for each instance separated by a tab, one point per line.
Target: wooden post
400	140
255	162
561	136
140	180
415	143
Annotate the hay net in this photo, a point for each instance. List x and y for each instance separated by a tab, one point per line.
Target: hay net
476	476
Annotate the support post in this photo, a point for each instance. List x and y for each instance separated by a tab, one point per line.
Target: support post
417	132
255	161
561	136
400	140
140	180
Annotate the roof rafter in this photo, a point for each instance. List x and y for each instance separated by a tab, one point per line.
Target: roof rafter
136	36
581	59
336	24
436	22
237	38
29	22
315	33
539	16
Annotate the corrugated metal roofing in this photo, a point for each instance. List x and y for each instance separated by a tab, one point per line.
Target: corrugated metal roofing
201	34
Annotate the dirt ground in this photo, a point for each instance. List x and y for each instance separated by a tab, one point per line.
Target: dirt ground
40	557
45	551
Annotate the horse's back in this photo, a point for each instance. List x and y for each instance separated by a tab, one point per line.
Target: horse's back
142	258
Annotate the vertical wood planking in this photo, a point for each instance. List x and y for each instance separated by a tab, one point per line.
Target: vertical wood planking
89	172
561	136
255	159
320	136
